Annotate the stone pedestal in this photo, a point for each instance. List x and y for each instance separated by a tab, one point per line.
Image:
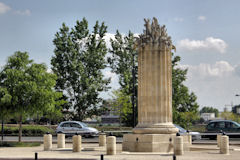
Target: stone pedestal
102	139
60	140
148	143
224	149
219	136
155	130
77	143
189	139
178	145
187	142
47	142
111	145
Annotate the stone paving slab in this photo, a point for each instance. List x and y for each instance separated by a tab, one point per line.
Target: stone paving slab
93	151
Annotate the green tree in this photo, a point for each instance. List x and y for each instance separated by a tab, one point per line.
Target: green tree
123	55
5	100
121	103
210	110
78	63
184	102
30	86
185	107
230	116
121	60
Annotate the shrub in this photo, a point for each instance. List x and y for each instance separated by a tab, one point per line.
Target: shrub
29	130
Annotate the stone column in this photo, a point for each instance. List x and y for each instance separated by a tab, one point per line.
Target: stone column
61	140
155	86
47	142
155	130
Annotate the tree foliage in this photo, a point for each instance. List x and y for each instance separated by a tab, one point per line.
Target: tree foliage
121	103
5	99
123	55
121	61
230	116
209	110
78	63
184	103
30	87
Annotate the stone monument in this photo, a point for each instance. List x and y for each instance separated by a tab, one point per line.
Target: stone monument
155	131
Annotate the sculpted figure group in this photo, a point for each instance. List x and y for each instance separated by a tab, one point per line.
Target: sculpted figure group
155	33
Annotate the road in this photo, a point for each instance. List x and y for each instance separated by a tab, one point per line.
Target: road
54	139
233	141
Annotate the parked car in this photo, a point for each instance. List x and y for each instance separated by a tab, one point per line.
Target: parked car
182	131
75	127
231	128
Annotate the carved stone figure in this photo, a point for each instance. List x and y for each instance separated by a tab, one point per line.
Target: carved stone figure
155	33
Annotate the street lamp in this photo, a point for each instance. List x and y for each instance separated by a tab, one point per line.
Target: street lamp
237	95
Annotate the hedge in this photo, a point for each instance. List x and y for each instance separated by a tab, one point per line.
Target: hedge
30	130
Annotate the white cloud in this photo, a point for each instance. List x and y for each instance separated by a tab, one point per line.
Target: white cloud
26	12
114	78
214	84
237	70
209	44
178	19
202	18
107	38
203	70
4	8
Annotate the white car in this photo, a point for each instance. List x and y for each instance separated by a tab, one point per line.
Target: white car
182	131
70	128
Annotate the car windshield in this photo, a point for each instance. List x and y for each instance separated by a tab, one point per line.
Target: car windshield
237	124
182	130
83	124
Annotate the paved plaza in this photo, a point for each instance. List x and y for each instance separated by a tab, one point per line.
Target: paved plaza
93	151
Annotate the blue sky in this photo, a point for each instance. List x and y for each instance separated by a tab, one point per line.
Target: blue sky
206	34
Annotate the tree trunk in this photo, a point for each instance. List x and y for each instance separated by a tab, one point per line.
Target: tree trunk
20	129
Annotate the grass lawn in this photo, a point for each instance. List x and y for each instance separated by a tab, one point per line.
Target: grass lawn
19	144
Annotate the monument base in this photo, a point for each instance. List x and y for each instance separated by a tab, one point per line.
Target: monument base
159	128
162	143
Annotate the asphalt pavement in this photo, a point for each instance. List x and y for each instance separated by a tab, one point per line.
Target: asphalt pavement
233	141
54	139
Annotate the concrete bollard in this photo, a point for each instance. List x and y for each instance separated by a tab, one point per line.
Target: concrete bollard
77	143
219	140
102	139
189	139
224	149
47	142
178	145
111	145
61	140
